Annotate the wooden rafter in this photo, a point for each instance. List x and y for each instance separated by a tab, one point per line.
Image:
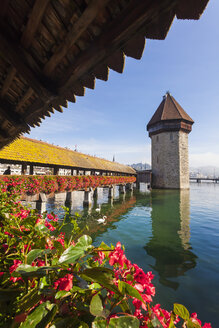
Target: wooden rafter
34	21
75	32
15	55
134	18
25	97
8	111
9	78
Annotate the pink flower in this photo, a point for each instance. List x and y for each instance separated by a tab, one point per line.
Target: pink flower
64	283
194	318
117	256
15	265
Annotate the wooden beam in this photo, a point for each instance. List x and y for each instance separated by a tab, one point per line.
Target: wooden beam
90	13
12	52
8	80
135	17
33	22
25	97
10	114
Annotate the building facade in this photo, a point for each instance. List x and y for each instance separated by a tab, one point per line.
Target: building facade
168	129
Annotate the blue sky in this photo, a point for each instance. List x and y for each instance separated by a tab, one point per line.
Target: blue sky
112	118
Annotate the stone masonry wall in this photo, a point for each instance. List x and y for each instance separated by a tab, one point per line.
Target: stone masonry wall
170	166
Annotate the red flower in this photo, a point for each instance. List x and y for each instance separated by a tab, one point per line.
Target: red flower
64	283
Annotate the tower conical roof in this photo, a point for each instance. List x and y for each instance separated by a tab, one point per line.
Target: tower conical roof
169	109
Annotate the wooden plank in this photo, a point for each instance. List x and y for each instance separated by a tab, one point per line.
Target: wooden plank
135	47
25	97
101	72
128	24
34	21
93	8
8	81
192	9
117	61
14	54
10	114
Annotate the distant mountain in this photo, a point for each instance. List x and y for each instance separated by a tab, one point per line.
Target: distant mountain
141	166
205	171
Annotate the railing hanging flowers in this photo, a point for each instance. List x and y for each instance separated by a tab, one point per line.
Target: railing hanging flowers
49	184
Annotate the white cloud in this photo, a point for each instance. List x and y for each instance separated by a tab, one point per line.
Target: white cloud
124	153
204	159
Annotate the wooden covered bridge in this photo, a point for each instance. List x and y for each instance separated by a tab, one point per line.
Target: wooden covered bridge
51	50
30	153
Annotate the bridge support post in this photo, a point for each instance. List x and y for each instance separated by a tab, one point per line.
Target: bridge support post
129	186
41	203
122	189
111	192
87	198
69	196
56	170
95	193
31	169
23	169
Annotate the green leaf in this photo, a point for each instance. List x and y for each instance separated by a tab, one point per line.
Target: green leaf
41	316
29	271
191	324
96	306
129	290
181	311
156	323
42	228
125	307
103	276
73	253
95	286
85	241
35	253
124	322
61	294
99	323
29	300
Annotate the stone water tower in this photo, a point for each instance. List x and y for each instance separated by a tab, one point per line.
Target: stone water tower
168	129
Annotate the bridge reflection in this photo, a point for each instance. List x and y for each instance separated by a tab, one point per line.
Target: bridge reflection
169	244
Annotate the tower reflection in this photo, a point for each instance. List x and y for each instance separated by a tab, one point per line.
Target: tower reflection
169	245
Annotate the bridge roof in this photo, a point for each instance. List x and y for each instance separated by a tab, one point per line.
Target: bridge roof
26	150
50	51
168	110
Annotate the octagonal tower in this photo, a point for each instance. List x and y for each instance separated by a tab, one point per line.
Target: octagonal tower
168	129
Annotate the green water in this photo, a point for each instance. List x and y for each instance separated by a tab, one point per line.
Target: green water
174	234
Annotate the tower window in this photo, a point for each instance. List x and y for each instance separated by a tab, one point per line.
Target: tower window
171	136
157	160
157	139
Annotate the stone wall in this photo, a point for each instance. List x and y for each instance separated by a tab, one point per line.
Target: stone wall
170	166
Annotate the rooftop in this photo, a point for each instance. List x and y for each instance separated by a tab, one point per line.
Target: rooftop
26	150
168	110
50	51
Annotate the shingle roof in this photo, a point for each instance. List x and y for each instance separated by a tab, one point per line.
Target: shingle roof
33	151
169	109
50	51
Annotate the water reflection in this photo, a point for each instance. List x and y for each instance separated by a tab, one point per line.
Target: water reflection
169	245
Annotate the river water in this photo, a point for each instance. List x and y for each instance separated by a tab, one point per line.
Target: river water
174	234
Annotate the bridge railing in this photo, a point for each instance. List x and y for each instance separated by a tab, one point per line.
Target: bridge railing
50	184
